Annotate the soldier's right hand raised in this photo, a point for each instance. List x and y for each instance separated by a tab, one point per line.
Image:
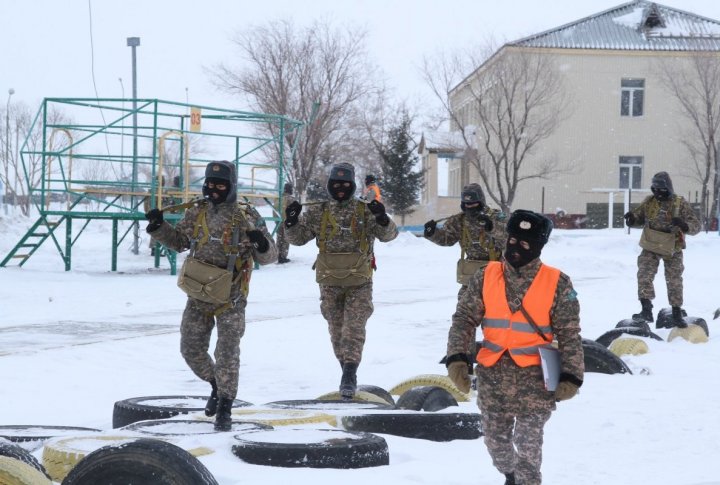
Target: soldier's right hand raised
155	219
629	218
430	227
292	213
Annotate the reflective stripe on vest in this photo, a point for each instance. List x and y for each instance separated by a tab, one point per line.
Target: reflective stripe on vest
504	330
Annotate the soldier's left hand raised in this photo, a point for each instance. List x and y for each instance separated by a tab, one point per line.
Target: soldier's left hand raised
258	239
487	222
378	210
679	223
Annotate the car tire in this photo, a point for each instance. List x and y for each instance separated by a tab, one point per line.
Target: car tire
599	359
628	346
607	338
430	380
335	449
15	452
188	427
426	426
426	398
140	462
136	409
16	472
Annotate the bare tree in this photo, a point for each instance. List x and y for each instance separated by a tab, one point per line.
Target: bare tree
503	110
316	74
22	174
695	85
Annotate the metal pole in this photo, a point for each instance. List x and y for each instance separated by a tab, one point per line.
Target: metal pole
133	42
122	130
11	91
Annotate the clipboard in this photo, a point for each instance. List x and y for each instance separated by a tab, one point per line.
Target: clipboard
550	363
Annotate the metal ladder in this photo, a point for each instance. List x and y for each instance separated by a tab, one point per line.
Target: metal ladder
32	240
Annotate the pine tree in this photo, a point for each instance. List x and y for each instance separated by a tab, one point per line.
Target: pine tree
400	184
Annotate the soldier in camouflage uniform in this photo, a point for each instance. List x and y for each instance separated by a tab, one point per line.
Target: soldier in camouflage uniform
512	398
223	233
344	229
666	212
282	243
480	231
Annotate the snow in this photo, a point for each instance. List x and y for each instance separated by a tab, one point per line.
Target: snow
73	343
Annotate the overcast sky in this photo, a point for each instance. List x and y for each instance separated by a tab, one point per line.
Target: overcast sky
46	48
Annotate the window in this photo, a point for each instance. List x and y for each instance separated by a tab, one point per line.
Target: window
632	94
630	172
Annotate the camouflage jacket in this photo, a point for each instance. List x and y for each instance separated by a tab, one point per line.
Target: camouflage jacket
219	224
657	214
474	240
564	314
349	227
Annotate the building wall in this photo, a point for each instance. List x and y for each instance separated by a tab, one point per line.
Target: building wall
590	140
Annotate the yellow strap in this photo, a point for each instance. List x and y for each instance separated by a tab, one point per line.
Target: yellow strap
465	242
327	218
201	222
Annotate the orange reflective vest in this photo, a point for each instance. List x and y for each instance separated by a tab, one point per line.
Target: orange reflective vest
505	331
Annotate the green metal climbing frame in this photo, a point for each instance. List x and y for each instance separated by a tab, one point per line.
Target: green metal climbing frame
114	159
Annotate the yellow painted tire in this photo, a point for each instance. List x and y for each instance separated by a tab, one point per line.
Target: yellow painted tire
282	417
438	380
359	396
628	346
16	472
692	333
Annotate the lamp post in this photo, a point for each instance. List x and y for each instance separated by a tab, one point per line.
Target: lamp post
11	91
133	43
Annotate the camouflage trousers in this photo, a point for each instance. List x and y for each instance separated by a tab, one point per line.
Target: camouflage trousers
514	407
648	263
283	246
471	348
347	310
196	329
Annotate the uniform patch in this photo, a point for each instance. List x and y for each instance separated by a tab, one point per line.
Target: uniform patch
572	296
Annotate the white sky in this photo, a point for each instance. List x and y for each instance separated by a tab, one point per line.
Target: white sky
46	49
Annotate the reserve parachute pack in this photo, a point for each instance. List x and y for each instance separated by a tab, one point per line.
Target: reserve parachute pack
659	242
344	269
466	268
210	283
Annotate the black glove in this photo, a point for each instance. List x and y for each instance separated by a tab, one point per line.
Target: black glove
676	221
430	227
258	239
155	219
487	221
292	213
629	218
378	210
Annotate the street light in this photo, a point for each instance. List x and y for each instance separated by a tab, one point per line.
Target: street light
11	91
133	43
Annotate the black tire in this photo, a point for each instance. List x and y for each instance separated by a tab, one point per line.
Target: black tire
27	433
340	449
606	339
425	426
140	462
700	322
377	391
426	398
665	320
21	454
187	427
599	359
631	322
136	409
333	405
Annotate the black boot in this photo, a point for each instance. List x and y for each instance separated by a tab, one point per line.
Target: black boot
348	382
677	317
646	312
223	418
510	479
212	403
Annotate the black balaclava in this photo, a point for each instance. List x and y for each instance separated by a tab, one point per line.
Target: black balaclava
661	186
370	179
471	194
530	227
222	172
340	173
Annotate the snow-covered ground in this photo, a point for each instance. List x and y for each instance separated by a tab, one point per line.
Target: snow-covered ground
74	343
